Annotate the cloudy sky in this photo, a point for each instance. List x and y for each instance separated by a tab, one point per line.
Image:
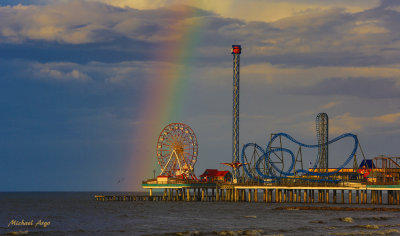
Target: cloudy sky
75	78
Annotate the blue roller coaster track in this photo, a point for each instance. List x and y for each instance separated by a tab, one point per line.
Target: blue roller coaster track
269	176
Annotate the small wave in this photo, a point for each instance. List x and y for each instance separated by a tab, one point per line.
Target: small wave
369	226
124	216
347	219
250	216
374	218
241	232
374	232
317	222
185	233
188	233
292	208
17	232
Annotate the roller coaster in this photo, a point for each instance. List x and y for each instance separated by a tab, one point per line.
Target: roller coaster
268	171
260	166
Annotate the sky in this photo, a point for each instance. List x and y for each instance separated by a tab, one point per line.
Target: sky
87	86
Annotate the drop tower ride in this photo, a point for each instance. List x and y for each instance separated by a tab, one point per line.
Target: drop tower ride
236	51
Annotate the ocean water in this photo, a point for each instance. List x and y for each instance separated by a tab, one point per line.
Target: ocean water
80	214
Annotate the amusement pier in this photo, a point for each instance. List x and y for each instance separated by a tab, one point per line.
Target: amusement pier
274	173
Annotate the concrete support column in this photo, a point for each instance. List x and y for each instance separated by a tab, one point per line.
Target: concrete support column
237	195
202	194
373	197
357	197
264	195
270	195
305	196
278	197
350	195
380	197
342	196
334	196
327	196
295	195
312	196
255	195
285	195
319	195
322	196
249	196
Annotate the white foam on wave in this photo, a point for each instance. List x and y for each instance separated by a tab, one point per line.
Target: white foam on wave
250	216
347	219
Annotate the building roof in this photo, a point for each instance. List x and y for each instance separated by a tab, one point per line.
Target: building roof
214	173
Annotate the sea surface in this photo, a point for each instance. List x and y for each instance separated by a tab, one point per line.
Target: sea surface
79	214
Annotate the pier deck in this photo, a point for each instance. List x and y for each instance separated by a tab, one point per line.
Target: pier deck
338	194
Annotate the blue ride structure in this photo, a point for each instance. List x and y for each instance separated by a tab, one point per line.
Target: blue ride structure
270	168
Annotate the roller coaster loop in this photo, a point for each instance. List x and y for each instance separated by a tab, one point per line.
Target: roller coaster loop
266	154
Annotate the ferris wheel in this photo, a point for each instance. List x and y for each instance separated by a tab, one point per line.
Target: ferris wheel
177	151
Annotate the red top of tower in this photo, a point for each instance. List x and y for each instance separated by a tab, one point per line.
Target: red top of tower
236	49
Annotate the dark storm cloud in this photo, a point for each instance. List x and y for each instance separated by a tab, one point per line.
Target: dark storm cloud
22	2
119	50
388	3
81	32
358	87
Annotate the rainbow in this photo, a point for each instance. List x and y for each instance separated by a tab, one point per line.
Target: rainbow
162	97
